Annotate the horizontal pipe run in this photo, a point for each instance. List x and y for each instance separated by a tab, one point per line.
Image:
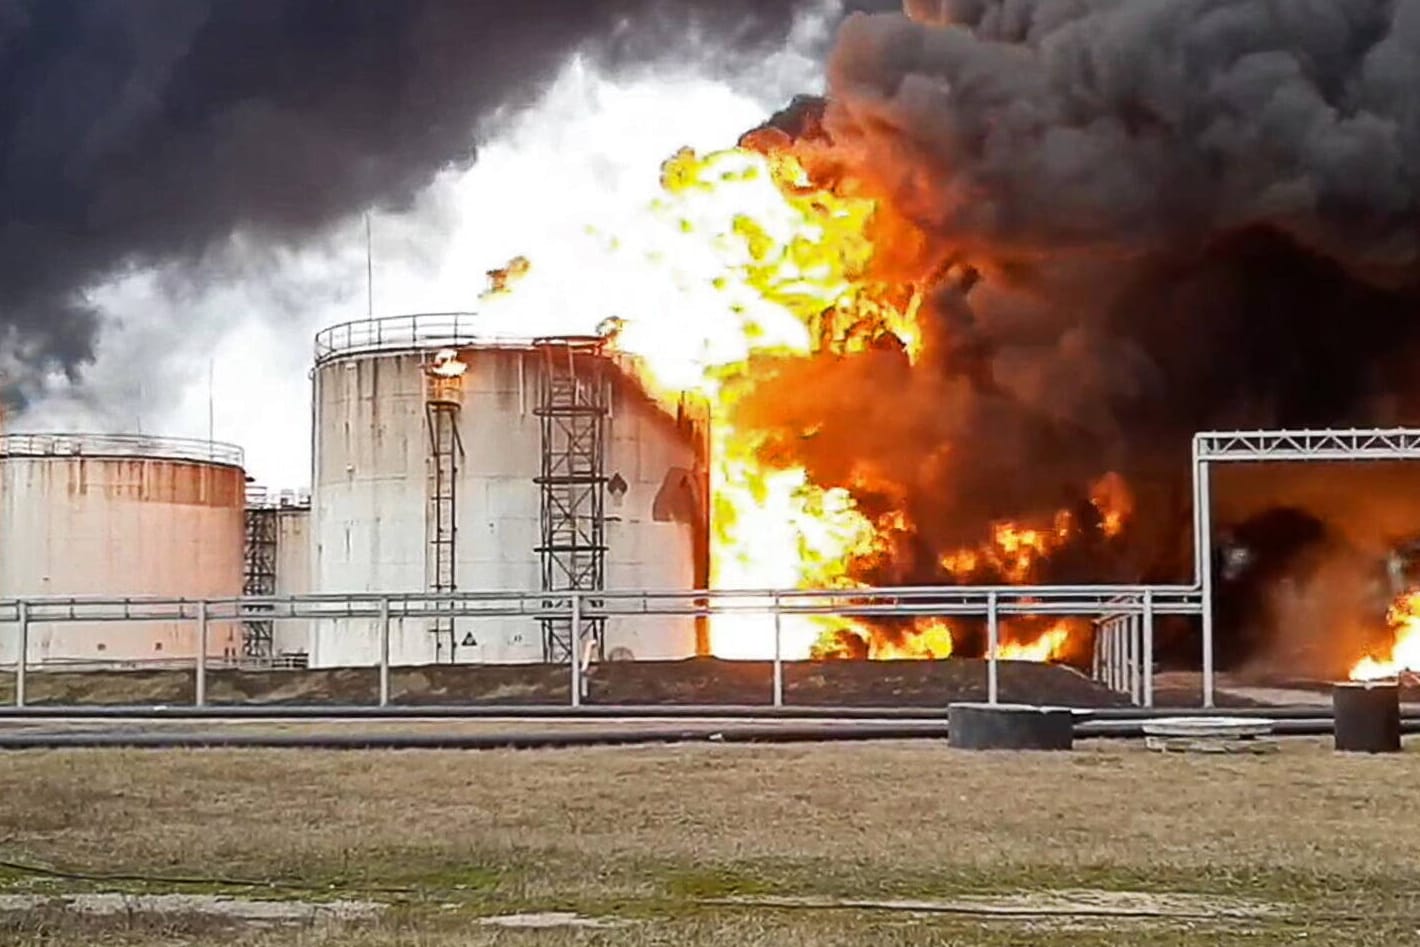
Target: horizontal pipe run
420	741
551	712
561	712
1080	600
39	615
609	737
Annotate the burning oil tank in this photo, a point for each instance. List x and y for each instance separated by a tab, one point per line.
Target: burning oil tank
449	462
98	515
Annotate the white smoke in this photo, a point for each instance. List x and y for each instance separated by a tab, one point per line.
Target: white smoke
224	348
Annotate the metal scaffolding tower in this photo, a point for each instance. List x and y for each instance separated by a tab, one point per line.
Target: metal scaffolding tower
573	406
1215	447
259	577
441	411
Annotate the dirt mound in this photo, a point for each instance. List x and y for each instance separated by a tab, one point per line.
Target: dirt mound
659	683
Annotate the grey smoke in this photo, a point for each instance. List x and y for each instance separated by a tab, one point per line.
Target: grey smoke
1059	123
145	132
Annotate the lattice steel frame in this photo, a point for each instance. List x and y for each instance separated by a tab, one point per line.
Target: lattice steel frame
1211	447
441	412
259	578
573	407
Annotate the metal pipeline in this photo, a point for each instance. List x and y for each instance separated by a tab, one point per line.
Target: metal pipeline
1099	729
212	711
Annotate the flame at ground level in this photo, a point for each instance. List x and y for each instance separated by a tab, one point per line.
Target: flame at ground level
932	639
1404	620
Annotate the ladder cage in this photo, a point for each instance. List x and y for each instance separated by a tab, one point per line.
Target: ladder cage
573	407
259	578
442	403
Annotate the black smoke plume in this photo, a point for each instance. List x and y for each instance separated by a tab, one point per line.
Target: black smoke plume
145	131
1189	214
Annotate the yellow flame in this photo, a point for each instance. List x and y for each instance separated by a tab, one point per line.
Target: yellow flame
501	279
1404	620
1052	645
795	269
930	638
792	277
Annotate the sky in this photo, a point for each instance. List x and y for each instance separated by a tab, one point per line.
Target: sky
557	183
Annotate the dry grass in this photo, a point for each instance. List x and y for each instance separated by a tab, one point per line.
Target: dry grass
650	834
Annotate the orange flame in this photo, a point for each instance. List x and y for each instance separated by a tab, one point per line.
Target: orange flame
1404	620
793	265
1052	645
1112	498
931	639
501	279
800	270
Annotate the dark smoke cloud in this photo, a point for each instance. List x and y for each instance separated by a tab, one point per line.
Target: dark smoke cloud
1189	214
147	131
1212	204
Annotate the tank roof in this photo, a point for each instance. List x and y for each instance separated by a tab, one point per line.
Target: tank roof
424	331
121	445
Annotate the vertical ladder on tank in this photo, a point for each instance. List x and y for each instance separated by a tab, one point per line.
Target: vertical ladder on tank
441	412
573	408
259	576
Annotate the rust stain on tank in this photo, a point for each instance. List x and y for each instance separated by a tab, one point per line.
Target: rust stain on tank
150	480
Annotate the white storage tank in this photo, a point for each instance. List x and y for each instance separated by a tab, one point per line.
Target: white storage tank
446	461
293	574
99	515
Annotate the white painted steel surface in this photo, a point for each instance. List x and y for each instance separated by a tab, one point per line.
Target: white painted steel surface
95	515
293	576
370	495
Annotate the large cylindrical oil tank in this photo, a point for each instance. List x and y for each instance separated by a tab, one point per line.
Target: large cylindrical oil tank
97	515
444	460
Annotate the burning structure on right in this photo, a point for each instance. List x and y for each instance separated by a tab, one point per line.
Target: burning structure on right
1177	217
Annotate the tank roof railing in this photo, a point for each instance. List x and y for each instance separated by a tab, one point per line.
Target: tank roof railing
121	445
418	332
260	497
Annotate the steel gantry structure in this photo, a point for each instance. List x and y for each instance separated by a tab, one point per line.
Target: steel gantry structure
1279	446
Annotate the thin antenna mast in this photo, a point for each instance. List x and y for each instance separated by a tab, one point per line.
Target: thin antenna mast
210	420
369	271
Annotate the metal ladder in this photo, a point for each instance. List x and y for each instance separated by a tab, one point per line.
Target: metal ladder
441	522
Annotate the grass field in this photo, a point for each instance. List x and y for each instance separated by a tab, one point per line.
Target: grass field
692	845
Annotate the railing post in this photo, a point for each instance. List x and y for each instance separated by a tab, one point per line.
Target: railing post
1202	498
573	649
1136	674
1101	629
1148	659
1109	643
993	636
778	655
1103	652
200	689
385	651
22	656
1119	654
